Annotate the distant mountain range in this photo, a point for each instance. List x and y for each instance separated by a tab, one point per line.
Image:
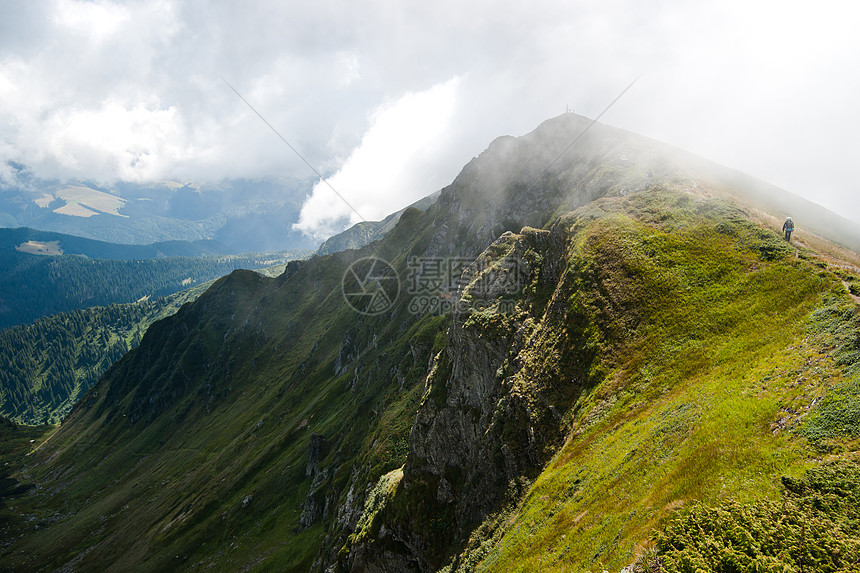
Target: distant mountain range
366	232
32	241
241	215
43	273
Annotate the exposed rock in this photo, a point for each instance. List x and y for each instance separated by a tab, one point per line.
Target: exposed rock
313	506
347	354
486	422
316	451
444	494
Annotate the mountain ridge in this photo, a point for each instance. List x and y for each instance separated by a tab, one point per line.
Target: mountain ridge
366	232
244	214
91	248
270	418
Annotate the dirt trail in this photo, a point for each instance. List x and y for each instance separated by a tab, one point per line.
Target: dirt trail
831	260
848	288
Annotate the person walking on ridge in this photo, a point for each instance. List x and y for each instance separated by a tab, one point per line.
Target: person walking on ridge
788	227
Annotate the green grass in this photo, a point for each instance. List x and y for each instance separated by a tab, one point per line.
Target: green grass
814	527
837	416
192	451
16	442
701	321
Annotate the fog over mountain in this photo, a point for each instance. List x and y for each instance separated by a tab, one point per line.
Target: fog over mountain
389	100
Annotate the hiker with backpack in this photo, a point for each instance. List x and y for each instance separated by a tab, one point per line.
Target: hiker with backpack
788	227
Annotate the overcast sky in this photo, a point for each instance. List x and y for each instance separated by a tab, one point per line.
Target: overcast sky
392	97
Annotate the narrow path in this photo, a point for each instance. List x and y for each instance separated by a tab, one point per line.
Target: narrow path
848	288
830	261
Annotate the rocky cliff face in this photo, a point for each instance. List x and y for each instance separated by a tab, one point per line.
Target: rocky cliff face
497	396
459	429
513	362
491	415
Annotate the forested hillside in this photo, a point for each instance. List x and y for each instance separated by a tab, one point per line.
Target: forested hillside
47	365
22	237
32	286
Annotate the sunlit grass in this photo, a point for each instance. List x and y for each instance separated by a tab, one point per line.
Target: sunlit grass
688	410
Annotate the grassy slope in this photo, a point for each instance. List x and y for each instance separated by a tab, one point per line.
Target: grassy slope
696	394
216	475
16	441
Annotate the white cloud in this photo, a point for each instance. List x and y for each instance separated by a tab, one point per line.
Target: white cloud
395	164
104	89
348	69
94	21
129	141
